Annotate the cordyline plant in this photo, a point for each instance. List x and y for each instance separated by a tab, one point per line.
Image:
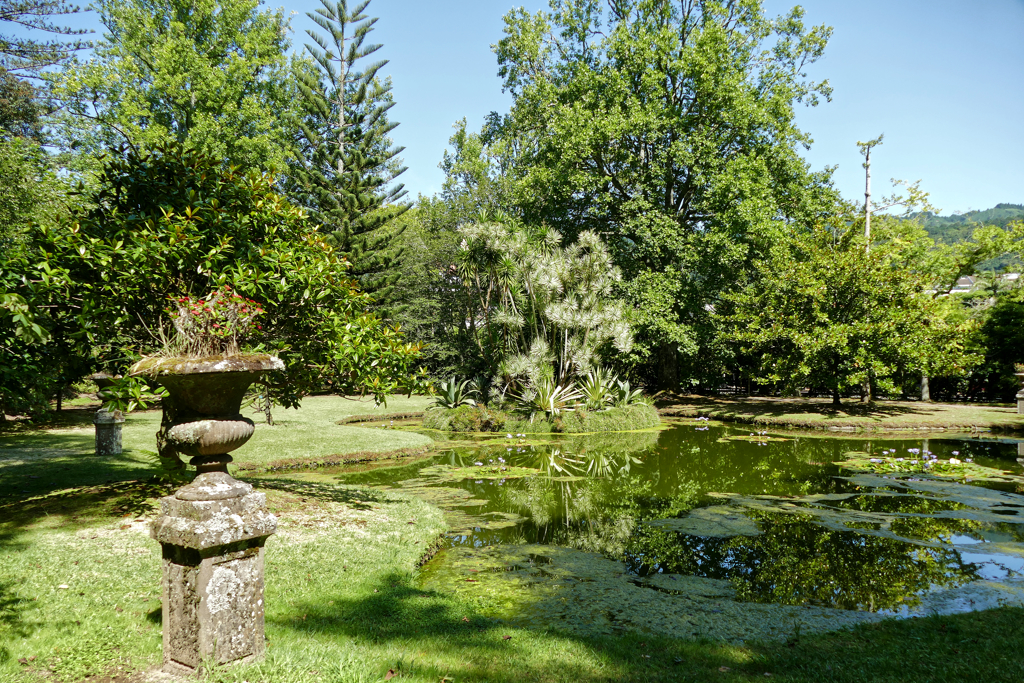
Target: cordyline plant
215	325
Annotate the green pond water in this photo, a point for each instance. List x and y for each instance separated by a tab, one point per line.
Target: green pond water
711	530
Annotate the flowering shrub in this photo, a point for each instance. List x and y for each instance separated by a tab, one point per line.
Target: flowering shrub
214	325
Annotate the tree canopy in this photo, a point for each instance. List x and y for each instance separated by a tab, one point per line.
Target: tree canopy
668	128
212	74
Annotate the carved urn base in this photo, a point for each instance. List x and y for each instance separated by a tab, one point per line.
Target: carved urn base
212	534
212	531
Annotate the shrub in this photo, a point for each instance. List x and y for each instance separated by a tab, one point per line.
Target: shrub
484	419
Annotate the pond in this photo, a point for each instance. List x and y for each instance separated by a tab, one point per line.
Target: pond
712	530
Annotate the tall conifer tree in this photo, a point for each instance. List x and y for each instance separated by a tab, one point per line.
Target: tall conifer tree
347	163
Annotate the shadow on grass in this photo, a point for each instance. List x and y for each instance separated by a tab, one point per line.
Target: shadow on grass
68	417
295	493
467	647
11	608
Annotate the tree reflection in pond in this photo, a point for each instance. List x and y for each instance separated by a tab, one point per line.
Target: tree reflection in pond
796	561
778	519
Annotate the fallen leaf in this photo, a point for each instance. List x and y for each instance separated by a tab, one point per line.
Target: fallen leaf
391	672
472	580
23	661
63	585
465	618
506	637
126	526
723	669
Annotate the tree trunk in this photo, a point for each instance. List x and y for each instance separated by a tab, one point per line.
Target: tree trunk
668	367
836	401
926	394
60	398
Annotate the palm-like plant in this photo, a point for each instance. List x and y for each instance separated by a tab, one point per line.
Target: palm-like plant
597	389
452	394
549	398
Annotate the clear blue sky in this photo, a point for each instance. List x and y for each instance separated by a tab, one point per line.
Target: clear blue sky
943	80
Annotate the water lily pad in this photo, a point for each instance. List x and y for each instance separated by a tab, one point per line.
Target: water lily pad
947	469
449	473
755	438
717	521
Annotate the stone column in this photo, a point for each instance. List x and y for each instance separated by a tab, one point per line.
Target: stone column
108	432
212	534
1020	394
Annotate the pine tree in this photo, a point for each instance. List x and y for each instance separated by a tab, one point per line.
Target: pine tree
19	53
347	161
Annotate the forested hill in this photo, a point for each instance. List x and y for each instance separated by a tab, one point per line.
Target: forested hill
958	228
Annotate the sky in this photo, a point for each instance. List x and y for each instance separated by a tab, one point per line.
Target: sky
943	80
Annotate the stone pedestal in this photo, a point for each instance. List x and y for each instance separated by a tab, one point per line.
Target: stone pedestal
212	534
1020	394
108	432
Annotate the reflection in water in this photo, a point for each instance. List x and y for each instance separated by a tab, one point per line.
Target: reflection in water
818	536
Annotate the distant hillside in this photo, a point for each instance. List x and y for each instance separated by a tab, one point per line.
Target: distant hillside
958	228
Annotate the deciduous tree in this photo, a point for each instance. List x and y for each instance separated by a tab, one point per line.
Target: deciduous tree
667	128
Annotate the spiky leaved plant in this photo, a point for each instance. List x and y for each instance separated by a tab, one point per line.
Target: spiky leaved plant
452	394
597	389
625	395
549	398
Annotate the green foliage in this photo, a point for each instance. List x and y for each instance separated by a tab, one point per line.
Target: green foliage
19	109
667	128
175	224
622	418
624	395
452	394
35	358
211	74
347	162
1001	341
828	313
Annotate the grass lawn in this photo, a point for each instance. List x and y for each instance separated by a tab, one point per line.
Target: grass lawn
812	413
79	590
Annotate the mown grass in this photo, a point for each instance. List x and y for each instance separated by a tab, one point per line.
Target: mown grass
61	454
343	603
876	416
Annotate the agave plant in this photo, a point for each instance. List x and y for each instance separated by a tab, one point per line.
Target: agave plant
549	398
597	389
624	395
452	394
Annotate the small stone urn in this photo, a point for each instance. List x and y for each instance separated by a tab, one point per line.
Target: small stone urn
1020	394
212	530
108	423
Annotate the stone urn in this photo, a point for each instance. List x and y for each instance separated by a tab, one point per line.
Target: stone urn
1020	394
108	423
212	531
